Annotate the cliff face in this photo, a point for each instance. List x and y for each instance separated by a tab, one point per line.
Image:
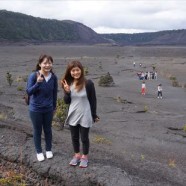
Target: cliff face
19	27
172	37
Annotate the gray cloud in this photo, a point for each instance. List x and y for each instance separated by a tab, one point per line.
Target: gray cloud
108	16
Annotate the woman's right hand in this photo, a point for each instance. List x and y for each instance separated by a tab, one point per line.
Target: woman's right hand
40	78
66	86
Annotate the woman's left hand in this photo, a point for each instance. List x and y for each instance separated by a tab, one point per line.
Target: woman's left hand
97	119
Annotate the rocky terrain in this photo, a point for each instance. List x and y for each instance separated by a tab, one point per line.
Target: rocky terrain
139	141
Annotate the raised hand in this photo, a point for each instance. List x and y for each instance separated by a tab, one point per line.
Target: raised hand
40	77
65	85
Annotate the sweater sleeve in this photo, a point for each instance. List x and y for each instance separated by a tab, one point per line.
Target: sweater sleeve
55	92
32	84
67	97
91	93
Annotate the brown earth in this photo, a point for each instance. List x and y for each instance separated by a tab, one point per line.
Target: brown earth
138	142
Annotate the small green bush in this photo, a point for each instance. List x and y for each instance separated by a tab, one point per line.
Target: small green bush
145	108
3	116
12	179
60	114
18	79
184	128
173	78
175	83
153	67
100	65
85	71
25	78
106	80
101	140
20	88
117	56
9	78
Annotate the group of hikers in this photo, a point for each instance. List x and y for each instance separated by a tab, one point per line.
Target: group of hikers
149	75
79	93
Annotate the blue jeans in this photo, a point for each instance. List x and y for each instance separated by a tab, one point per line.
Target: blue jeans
42	121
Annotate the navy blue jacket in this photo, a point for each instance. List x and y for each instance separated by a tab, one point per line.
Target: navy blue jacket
91	94
43	95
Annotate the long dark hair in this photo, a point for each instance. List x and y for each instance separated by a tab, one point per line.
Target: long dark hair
67	76
41	59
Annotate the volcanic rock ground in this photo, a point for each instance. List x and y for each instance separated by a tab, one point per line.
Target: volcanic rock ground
139	140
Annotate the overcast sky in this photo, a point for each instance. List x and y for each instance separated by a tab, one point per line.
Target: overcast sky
104	16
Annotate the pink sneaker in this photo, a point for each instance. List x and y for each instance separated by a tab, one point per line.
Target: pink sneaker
75	160
83	163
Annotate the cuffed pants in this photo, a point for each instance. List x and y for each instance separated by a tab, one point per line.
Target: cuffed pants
42	121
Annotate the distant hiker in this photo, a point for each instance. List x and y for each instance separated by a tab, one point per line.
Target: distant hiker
134	64
160	95
80	94
155	75
142	76
140	64
42	89
143	88
148	75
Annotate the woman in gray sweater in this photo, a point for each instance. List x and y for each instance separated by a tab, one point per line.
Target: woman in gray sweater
80	94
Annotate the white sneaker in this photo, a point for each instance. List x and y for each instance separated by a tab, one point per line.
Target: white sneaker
40	157
49	154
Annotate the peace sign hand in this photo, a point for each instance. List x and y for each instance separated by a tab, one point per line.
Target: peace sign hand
40	78
66	86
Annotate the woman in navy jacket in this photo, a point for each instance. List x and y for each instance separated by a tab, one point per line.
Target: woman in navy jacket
80	94
42	88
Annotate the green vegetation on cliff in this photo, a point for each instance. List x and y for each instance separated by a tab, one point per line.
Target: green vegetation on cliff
20	27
